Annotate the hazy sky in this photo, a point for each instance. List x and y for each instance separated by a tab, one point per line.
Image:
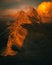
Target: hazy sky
12	5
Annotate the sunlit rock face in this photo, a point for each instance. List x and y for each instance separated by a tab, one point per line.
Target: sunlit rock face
45	11
33	14
17	33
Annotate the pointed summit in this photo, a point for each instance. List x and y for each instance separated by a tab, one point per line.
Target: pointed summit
20	13
22	17
33	15
32	12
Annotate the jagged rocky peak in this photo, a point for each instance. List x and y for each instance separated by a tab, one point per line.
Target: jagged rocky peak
22	17
31	14
18	33
32	11
20	13
34	17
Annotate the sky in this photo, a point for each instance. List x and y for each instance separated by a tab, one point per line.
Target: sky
11	6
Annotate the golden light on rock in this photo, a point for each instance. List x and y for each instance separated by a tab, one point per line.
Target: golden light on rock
45	11
17	33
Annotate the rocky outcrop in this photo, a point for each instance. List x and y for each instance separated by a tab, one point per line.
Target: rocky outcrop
18	33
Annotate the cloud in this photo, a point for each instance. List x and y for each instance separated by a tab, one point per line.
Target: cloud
8	1
8	11
14	10
6	4
45	11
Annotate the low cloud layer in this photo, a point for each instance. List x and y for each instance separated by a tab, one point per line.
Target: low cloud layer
6	4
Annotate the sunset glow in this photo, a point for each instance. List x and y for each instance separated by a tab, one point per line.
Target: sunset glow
45	11
23	20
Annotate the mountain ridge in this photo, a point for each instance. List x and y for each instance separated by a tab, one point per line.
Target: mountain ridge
18	33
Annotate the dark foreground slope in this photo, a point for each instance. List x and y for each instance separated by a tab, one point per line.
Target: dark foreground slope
37	48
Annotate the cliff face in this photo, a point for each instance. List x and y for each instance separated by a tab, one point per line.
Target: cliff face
17	33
